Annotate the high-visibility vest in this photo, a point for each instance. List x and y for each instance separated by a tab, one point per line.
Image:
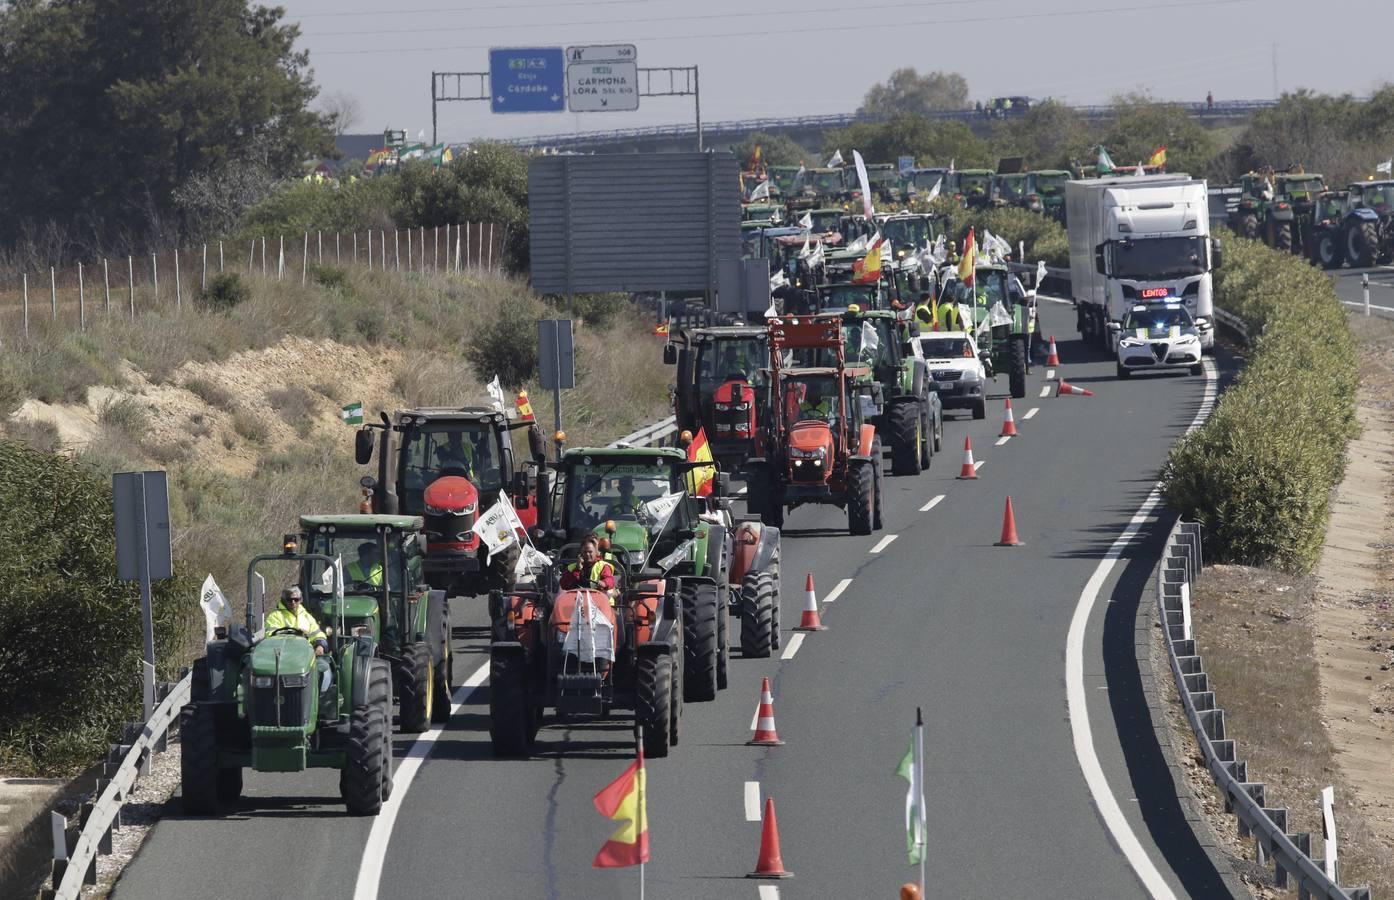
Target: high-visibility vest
819	410
357	573
300	619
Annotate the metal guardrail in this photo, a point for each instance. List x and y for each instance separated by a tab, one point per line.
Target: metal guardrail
75	852
1233	323
1289	853
650	435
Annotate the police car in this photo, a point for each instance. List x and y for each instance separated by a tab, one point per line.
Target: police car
959	374
1158	336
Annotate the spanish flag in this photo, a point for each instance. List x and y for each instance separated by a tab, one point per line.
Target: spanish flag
660	330
755	159
624	800
699	480
867	270
1159	156
524	406
968	262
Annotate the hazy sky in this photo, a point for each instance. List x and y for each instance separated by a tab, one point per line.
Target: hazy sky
806	57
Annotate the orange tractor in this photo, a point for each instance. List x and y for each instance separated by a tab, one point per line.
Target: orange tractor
819	446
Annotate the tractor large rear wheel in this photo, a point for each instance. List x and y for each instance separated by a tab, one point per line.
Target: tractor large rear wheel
1282	236
700	648
1330	251
861	497
1360	245
757	615
654	686
878	480
1248	227
907	438
361	783
415	688
723	636
510	707
198	759
1017	367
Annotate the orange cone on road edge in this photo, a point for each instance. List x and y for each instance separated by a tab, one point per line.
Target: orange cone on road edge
909	892
1067	388
1052	358
765	735
810	620
1009	423
969	470
769	865
1009	538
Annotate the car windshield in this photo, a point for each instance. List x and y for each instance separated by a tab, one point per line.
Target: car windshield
618	488
1157	319
362	554
469	449
945	347
727	359
909	231
1050	184
1158	258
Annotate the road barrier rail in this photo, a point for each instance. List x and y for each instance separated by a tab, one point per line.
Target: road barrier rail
1289	853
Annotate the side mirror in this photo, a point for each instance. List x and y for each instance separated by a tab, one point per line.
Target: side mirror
1100	264
521	501
985	355
363	446
1115	327
1217	254
721	484
520	486
670	354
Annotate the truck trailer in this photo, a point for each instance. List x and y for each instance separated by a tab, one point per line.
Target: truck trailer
1139	239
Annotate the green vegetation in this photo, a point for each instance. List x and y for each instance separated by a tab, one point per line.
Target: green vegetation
907	91
1258	475
775	150
70	673
1046	239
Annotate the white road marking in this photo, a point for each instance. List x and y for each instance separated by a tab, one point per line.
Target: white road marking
741	492
1050	373
977	465
1031	412
836	592
1002	440
769	892
793	646
884	543
1360	304
752	799
755	719
1062	300
370	869
1077	700
1045	390
933	502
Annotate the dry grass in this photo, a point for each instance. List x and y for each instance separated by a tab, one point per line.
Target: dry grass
29	845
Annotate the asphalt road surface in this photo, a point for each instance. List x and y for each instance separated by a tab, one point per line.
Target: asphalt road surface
1351	291
1024	799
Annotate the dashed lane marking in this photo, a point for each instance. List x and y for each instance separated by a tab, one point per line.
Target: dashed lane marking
752	799
884	543
1045	390
933	502
793	646
1002	440
769	892
1050	373
836	592
1031	412
977	465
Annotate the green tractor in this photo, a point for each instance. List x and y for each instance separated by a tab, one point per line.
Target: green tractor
409	622
880	357
1004	320
1045	192
264	701
970	187
1278	209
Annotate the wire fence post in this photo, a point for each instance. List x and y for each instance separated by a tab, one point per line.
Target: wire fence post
131	283
178	291
467	244
305	259
53	292
423	248
220	257
81	301
490	265
106	286
396	250
382	242
370	248
457	249
338	254
203	270
251	258
408	249
479	251
155	276
26	304
435	239
281	258
319	247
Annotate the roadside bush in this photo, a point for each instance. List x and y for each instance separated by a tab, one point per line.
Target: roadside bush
70	672
598	310
507	346
224	292
1046	239
1258	475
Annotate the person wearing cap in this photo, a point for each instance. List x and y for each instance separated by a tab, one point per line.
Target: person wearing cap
367	569
291	613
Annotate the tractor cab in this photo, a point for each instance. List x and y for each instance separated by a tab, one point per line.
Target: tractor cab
723	387
1002	320
827	221
970	187
907	232
922	181
1045	192
784	180
1009	189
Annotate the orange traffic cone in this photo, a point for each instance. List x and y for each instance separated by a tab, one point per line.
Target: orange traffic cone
765	734
969	470
1009	538
909	892
1067	388
1009	424
769	865
1052	358
810	620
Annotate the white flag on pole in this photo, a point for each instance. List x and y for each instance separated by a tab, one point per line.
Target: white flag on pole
1386	167
867	209
834	160
495	528
217	611
806	221
778	280
761	192
327	582
815	259
934	191
495	394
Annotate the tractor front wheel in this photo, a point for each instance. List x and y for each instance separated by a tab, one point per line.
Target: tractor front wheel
198	759
878	480
723	636
415	687
1017	370
907	439
445	672
510	730
1330	253
861	499
757	615
654	686
1282	237
700	642
1248	227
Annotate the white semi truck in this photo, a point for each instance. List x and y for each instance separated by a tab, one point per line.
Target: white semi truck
1139	239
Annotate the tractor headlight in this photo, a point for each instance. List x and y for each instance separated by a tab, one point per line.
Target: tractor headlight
722	407
741	407
816	453
442	511
263	681
295	681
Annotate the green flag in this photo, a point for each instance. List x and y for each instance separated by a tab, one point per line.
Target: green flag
352	414
914	803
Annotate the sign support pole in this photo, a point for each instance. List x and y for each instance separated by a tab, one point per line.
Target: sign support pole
147	615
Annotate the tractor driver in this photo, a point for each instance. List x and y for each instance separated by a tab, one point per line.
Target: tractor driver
626	505
367	569
455	453
814	404
291	613
590	570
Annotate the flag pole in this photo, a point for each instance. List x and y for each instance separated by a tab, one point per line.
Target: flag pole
640	783
920	811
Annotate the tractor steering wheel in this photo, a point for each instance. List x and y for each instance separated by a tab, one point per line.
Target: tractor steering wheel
290	630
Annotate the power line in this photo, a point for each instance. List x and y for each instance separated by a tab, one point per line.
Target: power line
785	32
914	4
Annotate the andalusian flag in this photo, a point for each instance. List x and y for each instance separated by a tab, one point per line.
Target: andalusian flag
1105	164
524	407
867	270
699	480
912	770
968	262
1159	156
624	801
352	414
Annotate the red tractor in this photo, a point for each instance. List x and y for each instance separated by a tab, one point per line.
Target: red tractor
819	446
723	387
449	466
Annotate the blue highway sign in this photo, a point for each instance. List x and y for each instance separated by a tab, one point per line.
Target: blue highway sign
527	80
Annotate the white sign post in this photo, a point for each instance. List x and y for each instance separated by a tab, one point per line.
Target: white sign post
602	86
1328	832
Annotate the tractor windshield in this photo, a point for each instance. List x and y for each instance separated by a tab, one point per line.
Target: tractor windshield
1378	196
825	182
926	180
1153	258
869	341
1011	187
363	562
908	231
812	397
731	359
618	489
470	449
837	297
1049	185
784	177
1303	188
826	220
973	184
